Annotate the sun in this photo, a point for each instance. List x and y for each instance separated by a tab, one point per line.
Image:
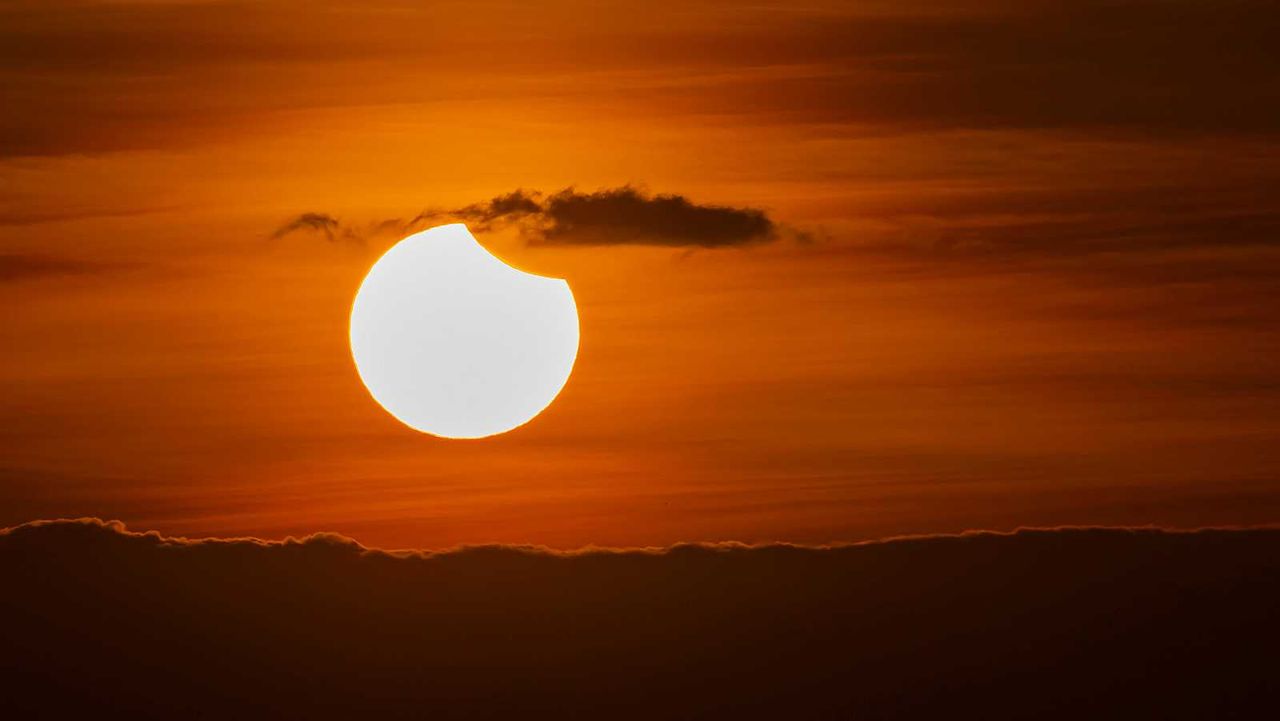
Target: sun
456	343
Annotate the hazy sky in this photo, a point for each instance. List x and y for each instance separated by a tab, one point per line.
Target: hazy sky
963	265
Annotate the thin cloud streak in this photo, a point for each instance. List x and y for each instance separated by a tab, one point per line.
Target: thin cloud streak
25	266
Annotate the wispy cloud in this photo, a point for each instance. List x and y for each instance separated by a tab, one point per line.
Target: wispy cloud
22	266
320	223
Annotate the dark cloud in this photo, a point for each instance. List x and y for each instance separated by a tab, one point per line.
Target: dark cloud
1000	225
321	223
626	215
617	216
611	216
1060	623
513	206
21	266
517	205
334	230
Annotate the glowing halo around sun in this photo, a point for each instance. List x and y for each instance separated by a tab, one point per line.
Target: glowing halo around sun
456	343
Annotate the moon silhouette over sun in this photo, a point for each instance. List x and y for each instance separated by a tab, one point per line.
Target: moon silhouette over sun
456	343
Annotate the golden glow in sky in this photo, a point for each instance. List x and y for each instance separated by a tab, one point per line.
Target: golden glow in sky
843	272
454	342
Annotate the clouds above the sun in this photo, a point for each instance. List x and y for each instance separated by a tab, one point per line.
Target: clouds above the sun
112	76
1162	112
619	216
624	215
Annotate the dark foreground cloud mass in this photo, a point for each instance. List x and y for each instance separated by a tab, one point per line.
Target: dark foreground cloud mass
1064	623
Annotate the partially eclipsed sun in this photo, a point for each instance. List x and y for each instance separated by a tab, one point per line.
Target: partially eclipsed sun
454	342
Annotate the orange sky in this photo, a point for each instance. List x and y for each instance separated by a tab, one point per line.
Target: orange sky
1024	274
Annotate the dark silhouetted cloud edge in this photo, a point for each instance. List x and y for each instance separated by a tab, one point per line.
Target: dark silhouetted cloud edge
625	215
89	527
1050	623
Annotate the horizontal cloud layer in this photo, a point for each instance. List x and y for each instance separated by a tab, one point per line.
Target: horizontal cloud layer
27	266
107	76
611	216
619	216
1061	623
